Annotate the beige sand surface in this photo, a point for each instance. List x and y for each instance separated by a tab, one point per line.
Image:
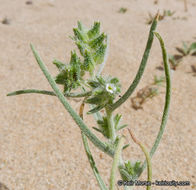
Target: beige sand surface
40	145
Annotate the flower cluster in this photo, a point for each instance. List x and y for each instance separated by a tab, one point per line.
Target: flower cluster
92	47
104	91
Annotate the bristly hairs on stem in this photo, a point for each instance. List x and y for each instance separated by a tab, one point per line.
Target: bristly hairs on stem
115	164
89	154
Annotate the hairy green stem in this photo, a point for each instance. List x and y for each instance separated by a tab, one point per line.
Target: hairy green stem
141	68
89	154
92	163
149	165
27	91
167	100
101	145
116	163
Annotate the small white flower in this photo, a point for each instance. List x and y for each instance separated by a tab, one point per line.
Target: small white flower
110	88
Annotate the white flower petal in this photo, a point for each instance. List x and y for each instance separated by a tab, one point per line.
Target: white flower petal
110	88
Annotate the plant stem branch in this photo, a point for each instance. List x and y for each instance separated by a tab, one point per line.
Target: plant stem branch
167	100
27	91
115	163
92	163
141	68
89	154
99	144
144	150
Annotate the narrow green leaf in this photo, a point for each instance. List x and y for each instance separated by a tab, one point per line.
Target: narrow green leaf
95	30
92	163
141	68
167	100
78	34
97	42
59	64
96	109
125	146
27	91
98	130
192	47
124	174
122	127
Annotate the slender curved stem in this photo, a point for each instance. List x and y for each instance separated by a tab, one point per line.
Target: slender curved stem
148	160
92	163
167	99
101	145
115	163
27	91
89	154
141	68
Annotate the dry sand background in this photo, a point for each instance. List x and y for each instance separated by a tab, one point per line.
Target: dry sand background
40	145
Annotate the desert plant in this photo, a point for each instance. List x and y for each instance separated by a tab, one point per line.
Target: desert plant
143	95
174	61
80	78
147	92
185	50
122	10
158	80
162	16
